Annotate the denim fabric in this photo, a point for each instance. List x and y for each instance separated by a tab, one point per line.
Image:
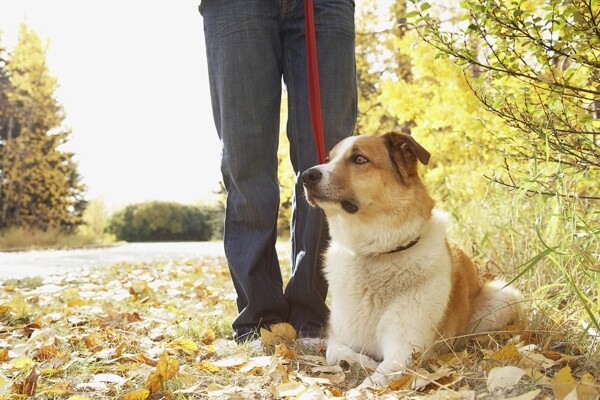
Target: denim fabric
250	46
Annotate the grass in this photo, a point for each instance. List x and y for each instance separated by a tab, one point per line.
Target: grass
18	239
105	332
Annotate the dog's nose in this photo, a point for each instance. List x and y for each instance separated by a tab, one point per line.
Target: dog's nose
311	176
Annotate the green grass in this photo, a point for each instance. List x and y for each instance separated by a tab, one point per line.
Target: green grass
13	239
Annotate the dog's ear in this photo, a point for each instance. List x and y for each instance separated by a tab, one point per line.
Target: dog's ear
408	145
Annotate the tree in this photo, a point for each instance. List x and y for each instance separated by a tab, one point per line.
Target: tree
40	186
534	64
537	66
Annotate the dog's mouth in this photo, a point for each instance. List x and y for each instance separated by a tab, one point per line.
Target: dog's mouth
315	199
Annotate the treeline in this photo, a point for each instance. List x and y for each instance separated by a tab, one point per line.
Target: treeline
167	221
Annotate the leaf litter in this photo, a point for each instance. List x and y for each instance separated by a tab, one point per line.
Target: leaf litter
137	331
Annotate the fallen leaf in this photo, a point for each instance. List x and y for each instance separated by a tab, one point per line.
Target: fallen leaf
314	392
109	378
186	345
508	353
28	386
281	350
4	355
500	378
526	396
282	333
401	383
232	361
166	368
563	383
289	389
426	378
46	353
139	394
256	363
588	389
207	366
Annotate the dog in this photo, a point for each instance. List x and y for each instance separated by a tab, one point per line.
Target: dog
397	286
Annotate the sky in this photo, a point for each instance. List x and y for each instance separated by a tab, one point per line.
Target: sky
133	83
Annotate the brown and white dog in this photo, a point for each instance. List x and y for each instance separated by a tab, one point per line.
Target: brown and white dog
397	286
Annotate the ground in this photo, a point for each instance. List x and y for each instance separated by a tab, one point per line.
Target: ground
162	330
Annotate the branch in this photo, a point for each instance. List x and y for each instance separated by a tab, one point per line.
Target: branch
513	186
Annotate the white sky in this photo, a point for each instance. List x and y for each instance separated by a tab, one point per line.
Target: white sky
134	85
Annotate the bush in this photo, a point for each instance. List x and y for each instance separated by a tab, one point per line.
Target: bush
164	221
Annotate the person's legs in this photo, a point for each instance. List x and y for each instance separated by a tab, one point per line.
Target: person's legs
334	24
244	59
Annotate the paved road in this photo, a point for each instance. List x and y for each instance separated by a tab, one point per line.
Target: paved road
31	263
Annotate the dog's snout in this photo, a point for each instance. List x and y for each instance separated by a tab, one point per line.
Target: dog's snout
311	176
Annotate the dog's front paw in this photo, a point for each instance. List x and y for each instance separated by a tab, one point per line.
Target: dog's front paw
337	352
381	378
375	381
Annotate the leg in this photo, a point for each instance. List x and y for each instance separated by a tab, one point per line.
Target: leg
334	22
337	351
244	60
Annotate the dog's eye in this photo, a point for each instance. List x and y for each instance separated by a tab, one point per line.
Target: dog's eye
358	159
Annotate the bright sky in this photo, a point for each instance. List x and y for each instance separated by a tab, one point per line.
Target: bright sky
134	86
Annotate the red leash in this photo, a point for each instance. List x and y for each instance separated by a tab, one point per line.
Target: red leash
314	90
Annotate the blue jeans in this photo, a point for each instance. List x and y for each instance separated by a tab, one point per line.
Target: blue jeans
250	46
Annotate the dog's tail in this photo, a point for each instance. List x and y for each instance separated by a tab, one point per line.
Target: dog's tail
495	306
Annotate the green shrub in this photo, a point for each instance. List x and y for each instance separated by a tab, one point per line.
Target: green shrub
164	221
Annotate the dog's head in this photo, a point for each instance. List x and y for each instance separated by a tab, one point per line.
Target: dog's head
369	176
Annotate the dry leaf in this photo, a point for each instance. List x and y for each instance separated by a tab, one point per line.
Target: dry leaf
4	355
166	368
207	366
282	333
563	383
46	353
186	345
401	383
92	341
139	394
289	389
503	378
232	361
526	396
281	350
588	389
28	386
509	354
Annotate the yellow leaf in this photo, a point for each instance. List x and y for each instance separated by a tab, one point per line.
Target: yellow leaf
508	353
278	334
563	383
588	388
208	336
46	353
21	362
400	383
207	367
281	350
166	368
140	394
76	302
4	355
186	345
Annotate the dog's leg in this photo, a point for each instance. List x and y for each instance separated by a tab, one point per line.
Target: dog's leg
495	306
395	360
337	351
398	346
